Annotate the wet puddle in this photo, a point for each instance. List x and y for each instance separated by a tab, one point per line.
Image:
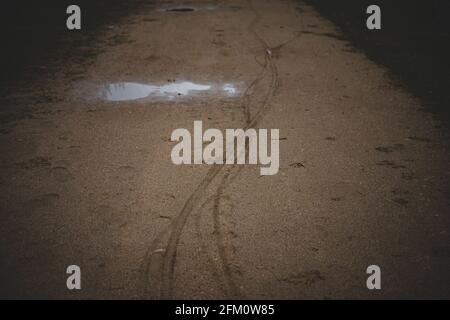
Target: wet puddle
128	91
187	9
180	9
229	88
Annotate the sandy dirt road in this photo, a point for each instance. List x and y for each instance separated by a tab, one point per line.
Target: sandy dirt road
363	174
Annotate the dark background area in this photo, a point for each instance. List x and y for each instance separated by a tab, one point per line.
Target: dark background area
34	33
414	42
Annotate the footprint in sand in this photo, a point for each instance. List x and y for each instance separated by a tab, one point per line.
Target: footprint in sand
390	148
304	278
45	200
61	174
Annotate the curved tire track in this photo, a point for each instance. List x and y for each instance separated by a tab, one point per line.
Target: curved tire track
160	262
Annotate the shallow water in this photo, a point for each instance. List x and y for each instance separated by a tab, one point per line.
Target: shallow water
126	91
229	88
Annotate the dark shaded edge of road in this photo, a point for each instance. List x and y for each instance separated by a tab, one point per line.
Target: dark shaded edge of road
34	32
414	44
36	44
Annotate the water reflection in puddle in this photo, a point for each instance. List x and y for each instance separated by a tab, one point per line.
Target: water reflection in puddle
126	91
229	88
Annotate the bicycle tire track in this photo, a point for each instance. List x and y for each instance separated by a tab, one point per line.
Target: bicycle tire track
163	267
